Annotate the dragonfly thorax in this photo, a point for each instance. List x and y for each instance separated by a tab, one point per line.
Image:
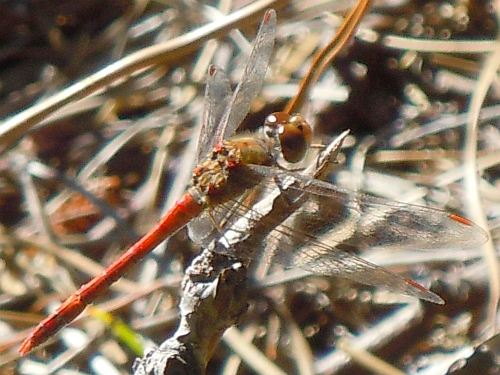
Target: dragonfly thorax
213	171
292	134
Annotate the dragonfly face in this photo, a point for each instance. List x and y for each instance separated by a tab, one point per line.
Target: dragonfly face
292	133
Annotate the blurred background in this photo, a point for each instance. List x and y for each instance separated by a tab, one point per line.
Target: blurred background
417	87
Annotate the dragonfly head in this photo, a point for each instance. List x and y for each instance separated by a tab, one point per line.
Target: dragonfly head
291	132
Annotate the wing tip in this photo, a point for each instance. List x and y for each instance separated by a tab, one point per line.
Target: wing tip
270	15
423	293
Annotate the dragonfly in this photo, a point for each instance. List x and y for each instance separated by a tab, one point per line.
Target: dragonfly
319	224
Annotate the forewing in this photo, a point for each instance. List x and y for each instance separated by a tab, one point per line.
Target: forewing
369	221
252	79
217	97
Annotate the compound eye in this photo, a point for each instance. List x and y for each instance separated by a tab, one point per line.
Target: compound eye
294	134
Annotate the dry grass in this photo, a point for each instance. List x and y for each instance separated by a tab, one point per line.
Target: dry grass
102	105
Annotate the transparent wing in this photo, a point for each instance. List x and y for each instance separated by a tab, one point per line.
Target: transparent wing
307	223
370	221
252	79
217	97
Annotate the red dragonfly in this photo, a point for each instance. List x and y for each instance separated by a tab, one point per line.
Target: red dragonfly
316	231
